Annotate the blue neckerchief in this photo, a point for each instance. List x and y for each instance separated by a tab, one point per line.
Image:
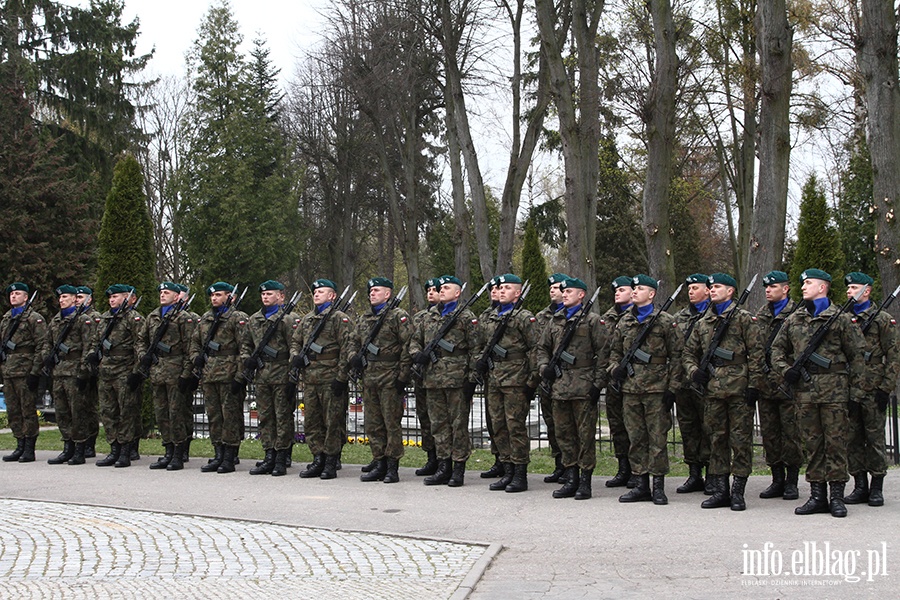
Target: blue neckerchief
163	310
701	306
777	307
66	312
114	311
268	311
622	309
377	309
432	305
820	304
571	312
555	308
321	308
642	312
221	310
861	307
495	303
505	308
15	312
448	308
722	307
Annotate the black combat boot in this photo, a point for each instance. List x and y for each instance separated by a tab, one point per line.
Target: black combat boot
443	473
78	456
519	481
622	476
557	471
268	463
135	449
876	497
279	468
776	488
640	492
124	459
213	465
721	495
792	476
65	455
737	493
431	465
633	481
90	450
227	464
177	462
289	457
376	474
391	475
709	487
458	477
114	450
658	494
860	493
14	456
570	487
836	506
163	461
500	484
329	470
694	482
314	469
818	501
28	450
370	466
496	470
584	484
186	450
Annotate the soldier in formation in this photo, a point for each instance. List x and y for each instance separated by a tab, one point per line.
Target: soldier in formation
622	301
543	319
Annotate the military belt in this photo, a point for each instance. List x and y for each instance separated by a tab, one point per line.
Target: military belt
280	355
120	352
511	356
230	352
324	356
581	363
718	361
658	360
814	369
383	357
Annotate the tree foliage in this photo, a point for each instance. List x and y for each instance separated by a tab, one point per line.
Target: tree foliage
855	215
534	269
818	242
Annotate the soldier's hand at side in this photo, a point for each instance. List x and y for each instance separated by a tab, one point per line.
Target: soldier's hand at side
549	373
751	395
184	384
620	373
49	363
81	383
199	362
338	388
250	363
594	394
882	399
32	382
530	393
853	409
792	376
93	359
421	358
469	390
356	362
400	386
700	377
482	365
134	381
668	399
237	388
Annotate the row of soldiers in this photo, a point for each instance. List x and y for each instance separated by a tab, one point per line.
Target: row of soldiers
713	360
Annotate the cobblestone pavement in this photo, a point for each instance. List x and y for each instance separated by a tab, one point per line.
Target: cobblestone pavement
52	550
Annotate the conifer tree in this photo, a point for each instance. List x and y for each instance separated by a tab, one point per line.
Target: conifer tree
818	242
534	269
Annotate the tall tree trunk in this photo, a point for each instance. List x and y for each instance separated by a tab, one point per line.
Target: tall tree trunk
458	190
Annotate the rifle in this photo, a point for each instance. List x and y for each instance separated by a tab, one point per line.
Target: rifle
60	346
151	357
561	355
810	355
634	351
8	345
368	346
493	347
231	304
105	345
693	321
714	351
249	373
884	306
346	305
767	366
301	361
438	341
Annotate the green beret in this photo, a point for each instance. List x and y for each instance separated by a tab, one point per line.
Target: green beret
508	278
621	281
219	286
449	279
83	289
324	283
432	283
723	278
182	288
697	278
118	288
66	289
380	282
169	285
492	283
17	287
557	278
573	282
775	277
644	280
271	285
815	274
857	277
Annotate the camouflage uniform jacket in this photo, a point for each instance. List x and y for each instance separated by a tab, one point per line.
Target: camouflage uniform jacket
882	353
544	317
393	361
589	346
31	344
844	345
275	368
452	369
743	338
336	341
520	340
767	323
225	348
663	344
124	344
173	350
76	342
686	318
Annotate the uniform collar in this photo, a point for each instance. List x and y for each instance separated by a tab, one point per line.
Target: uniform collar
721	307
15	312
322	308
505	308
571	312
642	312
448	308
701	306
268	311
777	307
861	307
67	312
377	309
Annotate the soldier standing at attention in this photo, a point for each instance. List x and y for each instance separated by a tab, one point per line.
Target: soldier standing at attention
512	382
432	293
24	331
777	414
835	378
385	375
577	392
85	296
865	448
324	379
544	317
496	469
622	290
185	385
731	393
449	383
647	396
218	363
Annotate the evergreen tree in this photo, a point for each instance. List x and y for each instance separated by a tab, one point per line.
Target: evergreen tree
855	215
534	269
818	242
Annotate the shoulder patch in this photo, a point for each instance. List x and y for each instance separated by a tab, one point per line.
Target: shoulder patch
242	322
893	321
532	320
404	319
97	320
39	321
88	322
853	319
345	320
753	318
474	321
137	318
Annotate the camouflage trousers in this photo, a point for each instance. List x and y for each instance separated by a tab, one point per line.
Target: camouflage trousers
865	447
276	404
449	412
224	412
92	401
383	415
508	408
547	414
576	432
171	416
647	422
823	427
325	420
616	418
21	407
74	412
120	410
730	425
689	409
489	418
780	433
424	417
